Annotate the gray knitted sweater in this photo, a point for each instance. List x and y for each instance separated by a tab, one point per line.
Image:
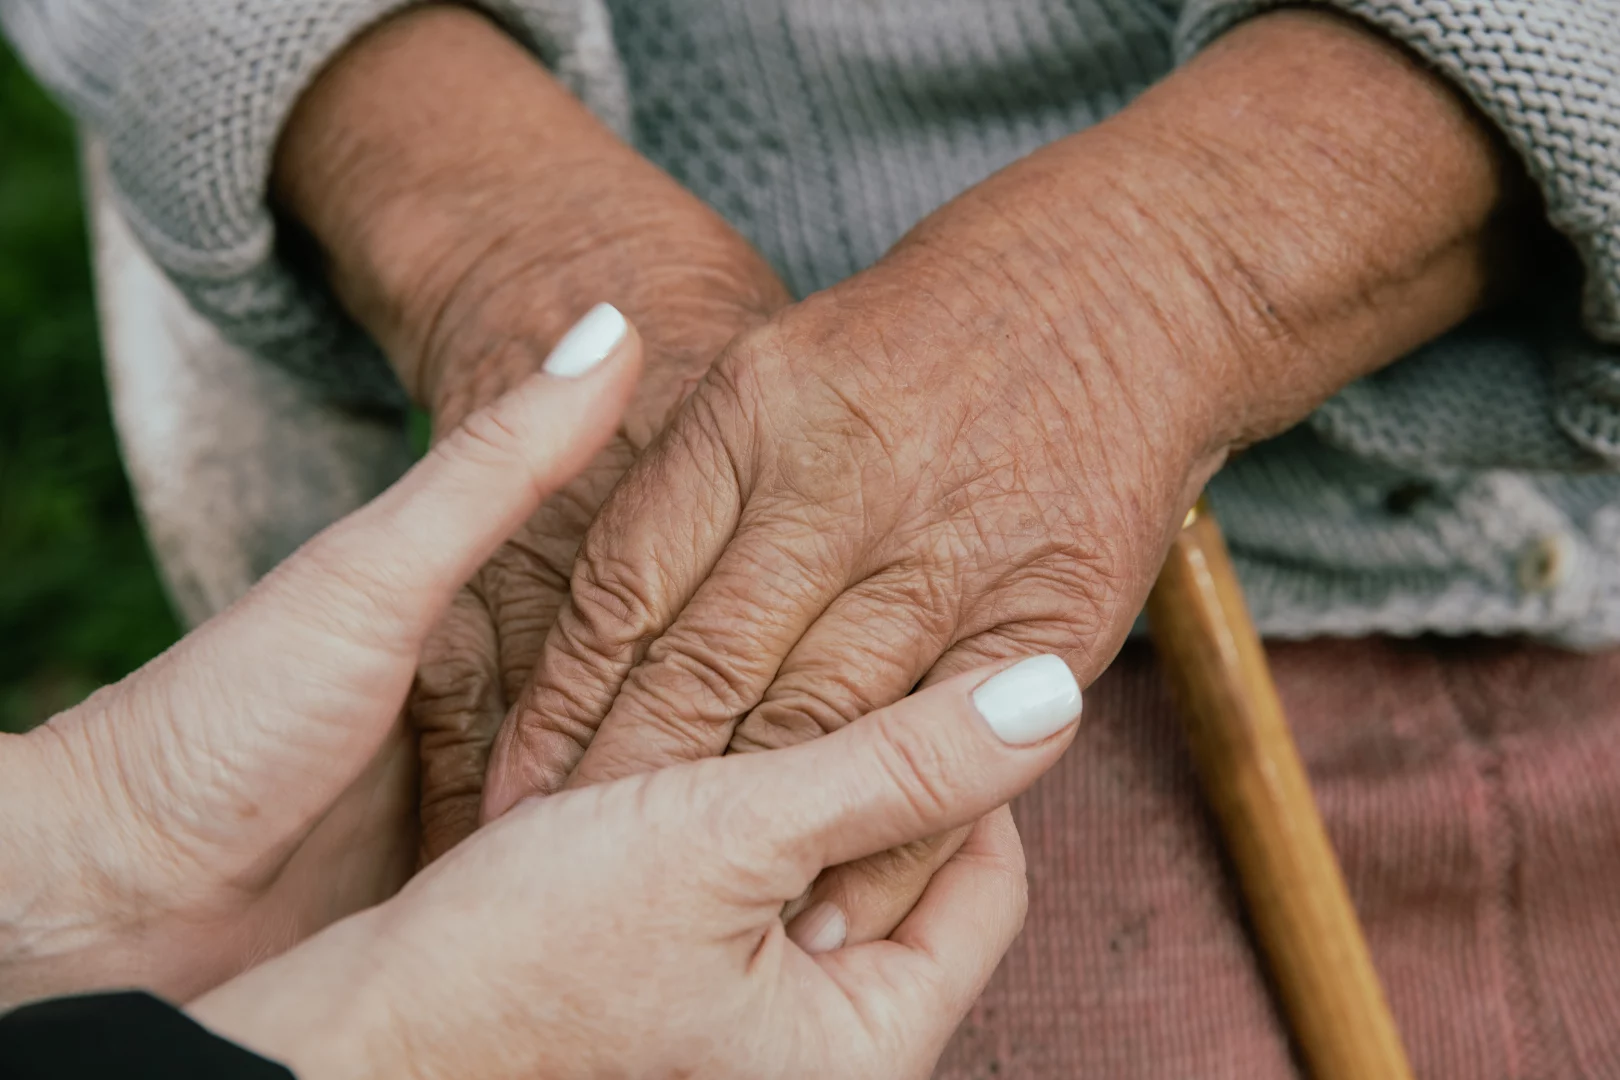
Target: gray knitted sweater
1473	486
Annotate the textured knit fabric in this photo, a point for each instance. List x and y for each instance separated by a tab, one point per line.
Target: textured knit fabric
1468	788
1470	487
190	96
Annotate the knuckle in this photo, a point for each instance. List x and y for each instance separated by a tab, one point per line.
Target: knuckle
1079	604
542	750
731	399
917	769
792	716
732	836
455	682
567	709
689	675
486	437
611	598
531	567
454	701
575	675
882	644
559	701
894	876
757	349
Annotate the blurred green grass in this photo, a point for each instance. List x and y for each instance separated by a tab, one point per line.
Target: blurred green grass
80	602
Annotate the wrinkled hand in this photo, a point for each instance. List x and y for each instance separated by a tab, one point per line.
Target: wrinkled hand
471	209
255	783
980	447
479	659
633	929
852	503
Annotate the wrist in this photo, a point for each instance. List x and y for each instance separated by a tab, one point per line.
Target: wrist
1299	206
324	1009
63	915
444	173
686	280
22	866
1351	203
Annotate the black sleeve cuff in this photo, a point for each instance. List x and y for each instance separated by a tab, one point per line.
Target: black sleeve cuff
133	1035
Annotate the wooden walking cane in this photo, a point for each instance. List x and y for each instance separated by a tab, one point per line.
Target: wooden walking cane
1261	796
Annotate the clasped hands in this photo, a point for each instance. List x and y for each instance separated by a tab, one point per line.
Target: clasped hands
230	826
973	451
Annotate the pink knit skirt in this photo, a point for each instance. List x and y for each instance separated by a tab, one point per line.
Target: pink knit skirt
1472	790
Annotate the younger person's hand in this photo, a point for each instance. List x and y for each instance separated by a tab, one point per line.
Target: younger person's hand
634	928
257	782
980	447
469	209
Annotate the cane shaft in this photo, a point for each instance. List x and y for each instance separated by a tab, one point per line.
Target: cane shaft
1261	796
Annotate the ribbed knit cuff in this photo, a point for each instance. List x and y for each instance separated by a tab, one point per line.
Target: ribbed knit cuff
191	137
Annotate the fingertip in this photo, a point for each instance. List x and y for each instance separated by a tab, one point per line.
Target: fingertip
498	795
590	372
1029	702
820	929
601	334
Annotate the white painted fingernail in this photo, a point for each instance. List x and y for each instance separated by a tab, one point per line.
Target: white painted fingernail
591	341
820	930
1030	701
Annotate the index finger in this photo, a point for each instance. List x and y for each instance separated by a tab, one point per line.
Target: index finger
932	762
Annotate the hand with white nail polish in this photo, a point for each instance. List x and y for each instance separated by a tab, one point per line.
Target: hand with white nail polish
467	239
979	447
633	928
256	782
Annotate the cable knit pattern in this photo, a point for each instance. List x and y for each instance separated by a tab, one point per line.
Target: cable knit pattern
1472	487
190	96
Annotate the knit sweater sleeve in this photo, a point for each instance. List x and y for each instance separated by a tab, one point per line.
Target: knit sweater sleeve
1547	392
189	97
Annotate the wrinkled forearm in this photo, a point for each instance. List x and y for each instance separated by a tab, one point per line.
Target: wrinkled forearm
1297	207
436	160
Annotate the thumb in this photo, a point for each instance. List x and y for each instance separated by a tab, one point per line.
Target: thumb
388	572
914	989
939	759
298	684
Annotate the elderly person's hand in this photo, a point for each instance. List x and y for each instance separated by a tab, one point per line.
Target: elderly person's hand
634	929
979	448
255	783
469	209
